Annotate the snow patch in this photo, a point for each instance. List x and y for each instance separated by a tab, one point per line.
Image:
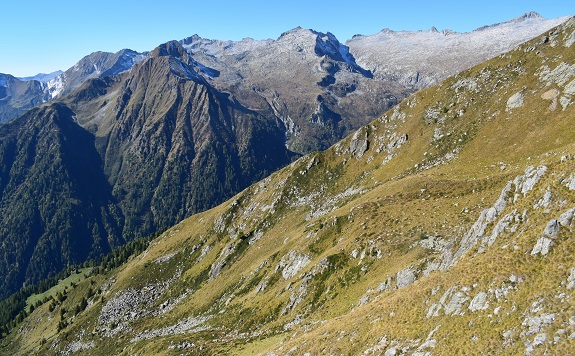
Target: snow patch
55	86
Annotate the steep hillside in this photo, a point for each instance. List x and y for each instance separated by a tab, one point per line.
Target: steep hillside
180	129
56	204
444	227
137	153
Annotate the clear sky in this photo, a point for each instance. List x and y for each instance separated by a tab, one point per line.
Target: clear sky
43	36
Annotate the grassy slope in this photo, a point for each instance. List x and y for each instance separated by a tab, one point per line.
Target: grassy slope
484	146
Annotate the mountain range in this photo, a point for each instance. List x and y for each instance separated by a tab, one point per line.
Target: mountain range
444	226
320	88
125	144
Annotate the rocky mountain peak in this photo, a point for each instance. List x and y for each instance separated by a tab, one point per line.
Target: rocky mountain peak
322	44
300	39
518	21
172	48
295	31
193	38
43	77
530	15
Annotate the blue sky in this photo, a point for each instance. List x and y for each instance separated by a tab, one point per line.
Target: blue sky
43	36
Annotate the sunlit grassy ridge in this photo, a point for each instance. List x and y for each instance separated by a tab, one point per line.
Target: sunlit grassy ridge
361	248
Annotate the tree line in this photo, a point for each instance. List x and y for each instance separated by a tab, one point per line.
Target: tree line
13	309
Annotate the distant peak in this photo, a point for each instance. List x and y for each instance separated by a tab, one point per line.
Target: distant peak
299	31
295	30
387	30
527	16
530	15
193	38
172	48
433	29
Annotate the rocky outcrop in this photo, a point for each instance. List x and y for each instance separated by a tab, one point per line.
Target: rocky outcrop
551	230
189	325
479	302
405	277
358	144
292	263
515	101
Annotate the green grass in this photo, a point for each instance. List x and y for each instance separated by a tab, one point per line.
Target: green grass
60	287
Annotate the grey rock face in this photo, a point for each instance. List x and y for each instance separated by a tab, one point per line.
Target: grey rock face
292	264
535	324
385	285
552	228
479	302
570	182
418	59
501	202
455	305
358	144
526	182
515	101
477	231
545	201
566	218
405	277
571	280
523	185
542	246
222	261
560	75
453	301
501	226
